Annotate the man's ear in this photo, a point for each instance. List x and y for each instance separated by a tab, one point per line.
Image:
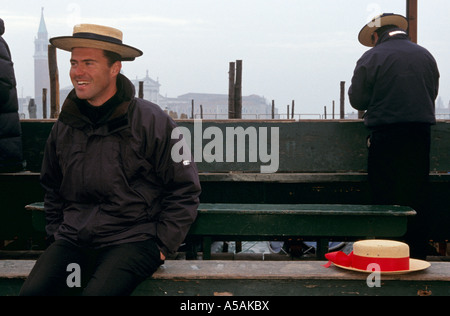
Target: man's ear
374	38
116	67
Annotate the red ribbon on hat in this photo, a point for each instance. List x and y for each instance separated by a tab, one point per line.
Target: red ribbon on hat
358	262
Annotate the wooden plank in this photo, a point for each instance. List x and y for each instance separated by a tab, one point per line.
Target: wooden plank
336	146
286	278
264	278
318	223
307	209
264	221
270	270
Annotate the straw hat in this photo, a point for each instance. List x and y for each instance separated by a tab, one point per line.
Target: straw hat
389	256
96	36
365	35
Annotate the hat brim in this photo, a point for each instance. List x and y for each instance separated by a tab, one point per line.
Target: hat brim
365	35
414	265
67	43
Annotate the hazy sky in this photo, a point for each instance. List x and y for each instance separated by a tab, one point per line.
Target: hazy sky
291	49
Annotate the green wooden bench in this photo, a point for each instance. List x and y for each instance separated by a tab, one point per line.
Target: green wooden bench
320	162
320	222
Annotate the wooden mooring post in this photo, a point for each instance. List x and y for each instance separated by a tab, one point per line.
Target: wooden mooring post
231	75
273	109
141	90
342	100
411	15
333	109
238	90
235	90
54	82
292	109
44	103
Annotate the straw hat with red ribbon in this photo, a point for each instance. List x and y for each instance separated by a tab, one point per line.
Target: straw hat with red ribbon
385	256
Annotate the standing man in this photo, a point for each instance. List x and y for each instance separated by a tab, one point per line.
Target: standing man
116	203
396	83
11	156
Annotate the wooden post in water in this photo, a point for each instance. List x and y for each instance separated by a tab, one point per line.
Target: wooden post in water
292	109
32	109
54	82
44	103
411	15
231	75
141	90
273	109
238	91
333	110
235	90
342	105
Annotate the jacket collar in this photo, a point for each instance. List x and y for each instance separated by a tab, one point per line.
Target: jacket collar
71	115
392	34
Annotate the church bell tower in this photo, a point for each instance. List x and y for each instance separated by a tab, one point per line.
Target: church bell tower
41	73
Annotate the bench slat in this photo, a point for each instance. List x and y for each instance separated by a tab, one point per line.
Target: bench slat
221	221
264	278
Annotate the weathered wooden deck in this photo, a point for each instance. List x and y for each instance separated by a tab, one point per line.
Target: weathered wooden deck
262	278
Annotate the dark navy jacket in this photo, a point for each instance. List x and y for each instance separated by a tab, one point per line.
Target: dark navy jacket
115	181
10	130
396	81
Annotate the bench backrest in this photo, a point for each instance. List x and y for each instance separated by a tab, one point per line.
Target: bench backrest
245	146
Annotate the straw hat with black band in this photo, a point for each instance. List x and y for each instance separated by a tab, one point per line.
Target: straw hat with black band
365	35
97	36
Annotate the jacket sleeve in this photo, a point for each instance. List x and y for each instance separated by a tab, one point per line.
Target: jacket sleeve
4	94
50	179
181	189
361	89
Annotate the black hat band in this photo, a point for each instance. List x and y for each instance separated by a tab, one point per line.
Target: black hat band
98	37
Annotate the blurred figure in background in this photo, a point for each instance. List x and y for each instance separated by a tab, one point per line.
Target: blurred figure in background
11	157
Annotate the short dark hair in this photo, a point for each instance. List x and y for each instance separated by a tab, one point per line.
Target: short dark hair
385	28
111	57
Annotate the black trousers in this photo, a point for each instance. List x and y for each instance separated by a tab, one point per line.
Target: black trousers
111	271
398	170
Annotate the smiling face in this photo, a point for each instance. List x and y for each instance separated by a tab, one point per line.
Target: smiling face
93	78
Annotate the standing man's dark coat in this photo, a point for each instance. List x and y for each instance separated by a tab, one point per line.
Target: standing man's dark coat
397	82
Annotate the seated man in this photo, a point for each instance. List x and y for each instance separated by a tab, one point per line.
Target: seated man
116	202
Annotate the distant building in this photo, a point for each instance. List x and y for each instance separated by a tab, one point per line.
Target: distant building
41	72
215	106
24	104
442	111
150	88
